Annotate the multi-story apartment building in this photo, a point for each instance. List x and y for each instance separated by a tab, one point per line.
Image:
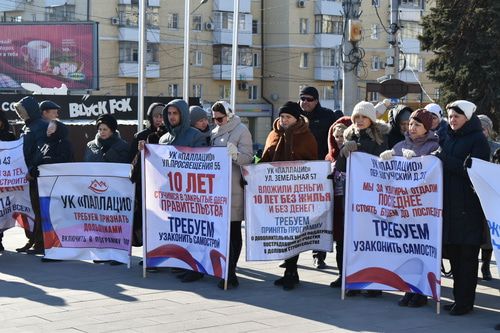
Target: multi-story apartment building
282	46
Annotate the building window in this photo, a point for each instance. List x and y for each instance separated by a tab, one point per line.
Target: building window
328	93
256	60
197	90
129	52
252	92
129	15
414	62
304	60
196	23
224	21
132	89
304	26
198	58
411	3
173	90
328	24
255	27
376	63
60	13
410	30
222	55
225	92
330	57
375	31
373	96
173	21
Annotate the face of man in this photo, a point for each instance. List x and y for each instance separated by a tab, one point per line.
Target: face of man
50	114
307	103
174	116
201	124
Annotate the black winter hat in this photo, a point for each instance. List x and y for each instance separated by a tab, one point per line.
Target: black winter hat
109	120
311	91
291	108
48	105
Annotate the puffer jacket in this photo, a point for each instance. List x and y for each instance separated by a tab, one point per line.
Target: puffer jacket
421	146
113	150
57	148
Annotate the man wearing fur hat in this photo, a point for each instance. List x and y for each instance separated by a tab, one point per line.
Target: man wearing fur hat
463	217
320	119
34	133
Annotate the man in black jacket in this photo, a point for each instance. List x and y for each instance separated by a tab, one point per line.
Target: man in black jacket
320	120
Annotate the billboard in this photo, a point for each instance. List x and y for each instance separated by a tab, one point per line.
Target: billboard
49	55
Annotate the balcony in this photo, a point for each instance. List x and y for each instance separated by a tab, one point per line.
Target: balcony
223	72
228	6
151	3
327	73
410	14
131	33
325	41
224	35
57	3
131	69
325	7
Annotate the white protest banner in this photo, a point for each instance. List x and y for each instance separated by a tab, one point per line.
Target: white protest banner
187	208
288	208
15	203
87	210
484	177
393	224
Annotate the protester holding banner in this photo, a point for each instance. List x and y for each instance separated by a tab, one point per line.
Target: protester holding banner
419	140
486	248
231	133
368	135
5	135
463	217
155	120
290	140
34	135
107	146
335	141
199	120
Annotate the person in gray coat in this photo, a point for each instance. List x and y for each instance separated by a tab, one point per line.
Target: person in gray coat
178	126
231	133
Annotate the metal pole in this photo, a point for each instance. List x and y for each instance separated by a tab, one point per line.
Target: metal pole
234	60
187	33
349	80
141	86
394	28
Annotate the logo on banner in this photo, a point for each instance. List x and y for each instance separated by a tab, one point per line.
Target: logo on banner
101	107
98	187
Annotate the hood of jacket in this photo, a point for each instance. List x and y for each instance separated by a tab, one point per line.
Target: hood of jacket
396	112
152	108
184	125
376	132
27	109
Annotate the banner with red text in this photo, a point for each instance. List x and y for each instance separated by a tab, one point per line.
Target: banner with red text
15	203
484	177
87	210
288	208
393	224
187	208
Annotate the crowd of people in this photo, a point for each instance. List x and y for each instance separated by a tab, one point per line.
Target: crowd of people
304	130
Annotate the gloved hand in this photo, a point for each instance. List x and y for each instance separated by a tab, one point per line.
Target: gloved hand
348	147
408	153
468	162
387	155
233	151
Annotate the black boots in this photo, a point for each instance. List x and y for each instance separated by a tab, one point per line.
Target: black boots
289	280
485	266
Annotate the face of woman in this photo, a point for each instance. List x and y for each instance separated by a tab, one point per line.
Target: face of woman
435	121
456	120
104	131
287	120
219	118
416	129
362	122
338	134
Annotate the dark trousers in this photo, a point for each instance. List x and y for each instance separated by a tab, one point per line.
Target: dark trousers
235	245
291	264
35	237
320	255
339	255
464	265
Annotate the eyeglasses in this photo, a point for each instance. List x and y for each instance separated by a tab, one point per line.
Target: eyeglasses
308	99
219	119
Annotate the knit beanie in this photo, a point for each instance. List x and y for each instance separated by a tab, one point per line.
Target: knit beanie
486	123
108	120
196	113
424	117
365	109
462	106
311	91
291	108
436	109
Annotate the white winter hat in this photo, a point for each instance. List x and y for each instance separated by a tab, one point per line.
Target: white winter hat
223	107
365	109
436	109
468	108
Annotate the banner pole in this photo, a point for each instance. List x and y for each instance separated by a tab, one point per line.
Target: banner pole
143	207
346	205
438	307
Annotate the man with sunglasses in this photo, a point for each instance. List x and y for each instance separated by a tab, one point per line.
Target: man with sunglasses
320	120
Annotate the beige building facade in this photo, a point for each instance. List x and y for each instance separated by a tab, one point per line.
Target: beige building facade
283	45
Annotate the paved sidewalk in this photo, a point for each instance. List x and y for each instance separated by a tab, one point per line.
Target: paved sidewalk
79	296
